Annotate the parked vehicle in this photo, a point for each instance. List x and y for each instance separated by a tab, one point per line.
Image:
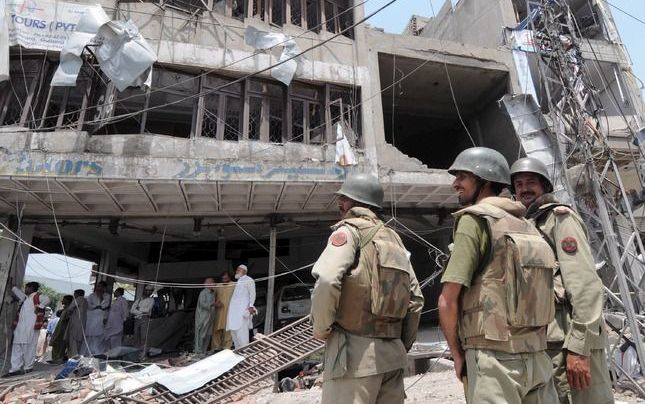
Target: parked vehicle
292	302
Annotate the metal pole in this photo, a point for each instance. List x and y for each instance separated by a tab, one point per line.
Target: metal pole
268	321
612	248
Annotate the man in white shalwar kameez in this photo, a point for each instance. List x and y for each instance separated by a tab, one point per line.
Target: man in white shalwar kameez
98	304
204	313
119	311
241	309
25	335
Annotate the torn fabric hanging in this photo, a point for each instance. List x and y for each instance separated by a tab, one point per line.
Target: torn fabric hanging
344	153
265	40
123	54
70	55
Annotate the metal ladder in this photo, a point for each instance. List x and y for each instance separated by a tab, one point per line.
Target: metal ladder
262	358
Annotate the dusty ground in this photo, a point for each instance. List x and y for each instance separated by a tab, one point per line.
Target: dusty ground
435	387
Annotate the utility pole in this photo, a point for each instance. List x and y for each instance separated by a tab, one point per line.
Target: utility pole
268	320
574	109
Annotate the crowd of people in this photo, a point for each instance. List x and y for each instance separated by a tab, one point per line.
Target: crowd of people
95	324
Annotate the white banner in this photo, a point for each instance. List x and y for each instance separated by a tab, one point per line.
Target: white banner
42	24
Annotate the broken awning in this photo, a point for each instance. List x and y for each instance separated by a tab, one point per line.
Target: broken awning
123	54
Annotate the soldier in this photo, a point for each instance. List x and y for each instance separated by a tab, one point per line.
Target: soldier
577	337
496	300
366	302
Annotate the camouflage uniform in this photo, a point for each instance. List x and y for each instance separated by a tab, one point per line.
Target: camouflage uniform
578	325
366	292
506	304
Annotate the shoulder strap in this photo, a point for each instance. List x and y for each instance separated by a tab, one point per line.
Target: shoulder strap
371	234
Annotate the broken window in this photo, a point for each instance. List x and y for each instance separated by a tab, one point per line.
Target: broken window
265	111
118	112
296	12
331	17
19	94
172	106
237	9
67	106
342	107
313	15
277	12
191	7
221	115
306	115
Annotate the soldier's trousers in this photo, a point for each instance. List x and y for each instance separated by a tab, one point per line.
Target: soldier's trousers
498	377
600	391
383	388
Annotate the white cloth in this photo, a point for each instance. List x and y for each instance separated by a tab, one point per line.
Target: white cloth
243	297
24	332
24	355
240	337
142	307
117	315
25	337
96	312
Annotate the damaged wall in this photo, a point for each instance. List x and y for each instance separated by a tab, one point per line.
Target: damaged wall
473	22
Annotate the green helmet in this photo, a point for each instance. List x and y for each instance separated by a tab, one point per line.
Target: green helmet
363	188
531	165
485	163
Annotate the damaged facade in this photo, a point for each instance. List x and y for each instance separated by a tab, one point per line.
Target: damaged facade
184	178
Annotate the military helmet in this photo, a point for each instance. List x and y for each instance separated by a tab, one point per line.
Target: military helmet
363	188
532	165
485	163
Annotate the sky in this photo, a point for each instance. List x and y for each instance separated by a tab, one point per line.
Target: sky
67	276
395	17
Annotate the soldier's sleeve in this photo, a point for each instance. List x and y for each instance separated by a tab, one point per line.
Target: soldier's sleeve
583	287
470	240
328	271
411	320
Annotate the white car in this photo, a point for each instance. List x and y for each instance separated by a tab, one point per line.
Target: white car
293	302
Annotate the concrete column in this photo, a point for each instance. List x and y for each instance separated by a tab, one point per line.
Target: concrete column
371	109
221	255
13	261
108	265
268	321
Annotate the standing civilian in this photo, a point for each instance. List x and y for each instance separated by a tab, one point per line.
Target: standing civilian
57	340
98	303
204	316
29	320
141	310
224	292
113	334
77	314
241	310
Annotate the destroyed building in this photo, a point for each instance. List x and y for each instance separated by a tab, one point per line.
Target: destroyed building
253	113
